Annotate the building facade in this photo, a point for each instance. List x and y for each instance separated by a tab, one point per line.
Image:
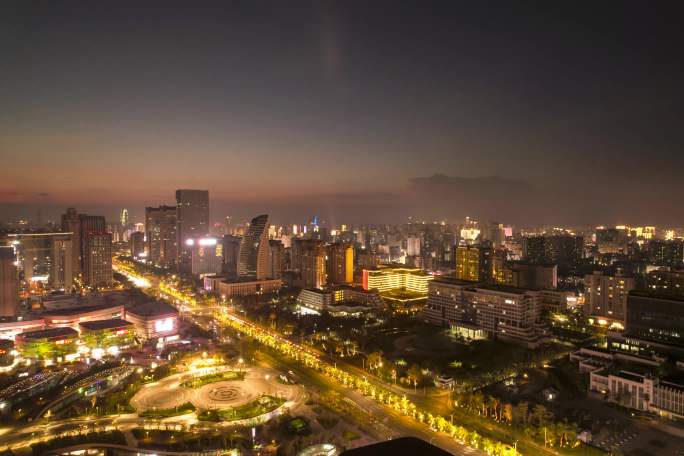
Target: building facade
161	226
97	265
606	297
9	306
254	250
192	212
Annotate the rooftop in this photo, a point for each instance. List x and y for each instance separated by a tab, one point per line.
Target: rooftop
49	333
79	310
454	281
152	309
104	324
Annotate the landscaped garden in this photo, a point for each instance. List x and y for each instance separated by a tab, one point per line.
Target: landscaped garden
226	376
258	407
165	413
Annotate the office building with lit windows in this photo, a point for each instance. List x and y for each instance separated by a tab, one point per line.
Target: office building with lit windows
606	298
206	255
340	263
254	250
97	264
161	226
192	212
396	278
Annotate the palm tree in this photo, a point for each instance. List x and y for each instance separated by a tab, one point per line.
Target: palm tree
374	360
414	375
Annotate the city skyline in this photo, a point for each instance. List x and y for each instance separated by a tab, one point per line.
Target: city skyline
348	110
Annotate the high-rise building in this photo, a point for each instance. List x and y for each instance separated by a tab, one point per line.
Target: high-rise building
612	240
531	275
412	246
137	241
89	224
666	253
566	251
666	282
206	255
340	263
72	224
160	231
123	217
468	263
308	261
45	258
276	259
606	297
231	254
192	218
254	250
97	271
655	318
8	283
479	263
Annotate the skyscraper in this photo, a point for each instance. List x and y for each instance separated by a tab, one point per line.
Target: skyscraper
8	283
192	218
340	263
231	254
137	241
89	224
276	258
123	218
160	231
312	264
254	250
97	270
45	258
71	224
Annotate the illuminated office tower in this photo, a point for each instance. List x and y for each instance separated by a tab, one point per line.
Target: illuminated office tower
8	283
123	217
413	246
97	271
137	241
193	218
206	255
254	250
340	263
72	224
276	259
160	231
468	263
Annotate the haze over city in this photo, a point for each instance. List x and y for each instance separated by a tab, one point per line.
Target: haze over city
341	228
337	109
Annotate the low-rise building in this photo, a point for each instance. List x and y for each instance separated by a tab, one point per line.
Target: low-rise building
248	287
106	335
154	320
48	344
639	389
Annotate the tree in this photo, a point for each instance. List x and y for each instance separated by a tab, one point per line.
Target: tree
540	414
521	413
414	375
507	413
374	360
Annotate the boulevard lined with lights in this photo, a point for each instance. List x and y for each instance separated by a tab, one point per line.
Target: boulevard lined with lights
309	359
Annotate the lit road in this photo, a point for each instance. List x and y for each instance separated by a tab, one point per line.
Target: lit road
402	421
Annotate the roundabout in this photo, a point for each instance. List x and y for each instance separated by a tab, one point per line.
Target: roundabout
213	394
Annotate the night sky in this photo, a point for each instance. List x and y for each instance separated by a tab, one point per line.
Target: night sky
334	108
